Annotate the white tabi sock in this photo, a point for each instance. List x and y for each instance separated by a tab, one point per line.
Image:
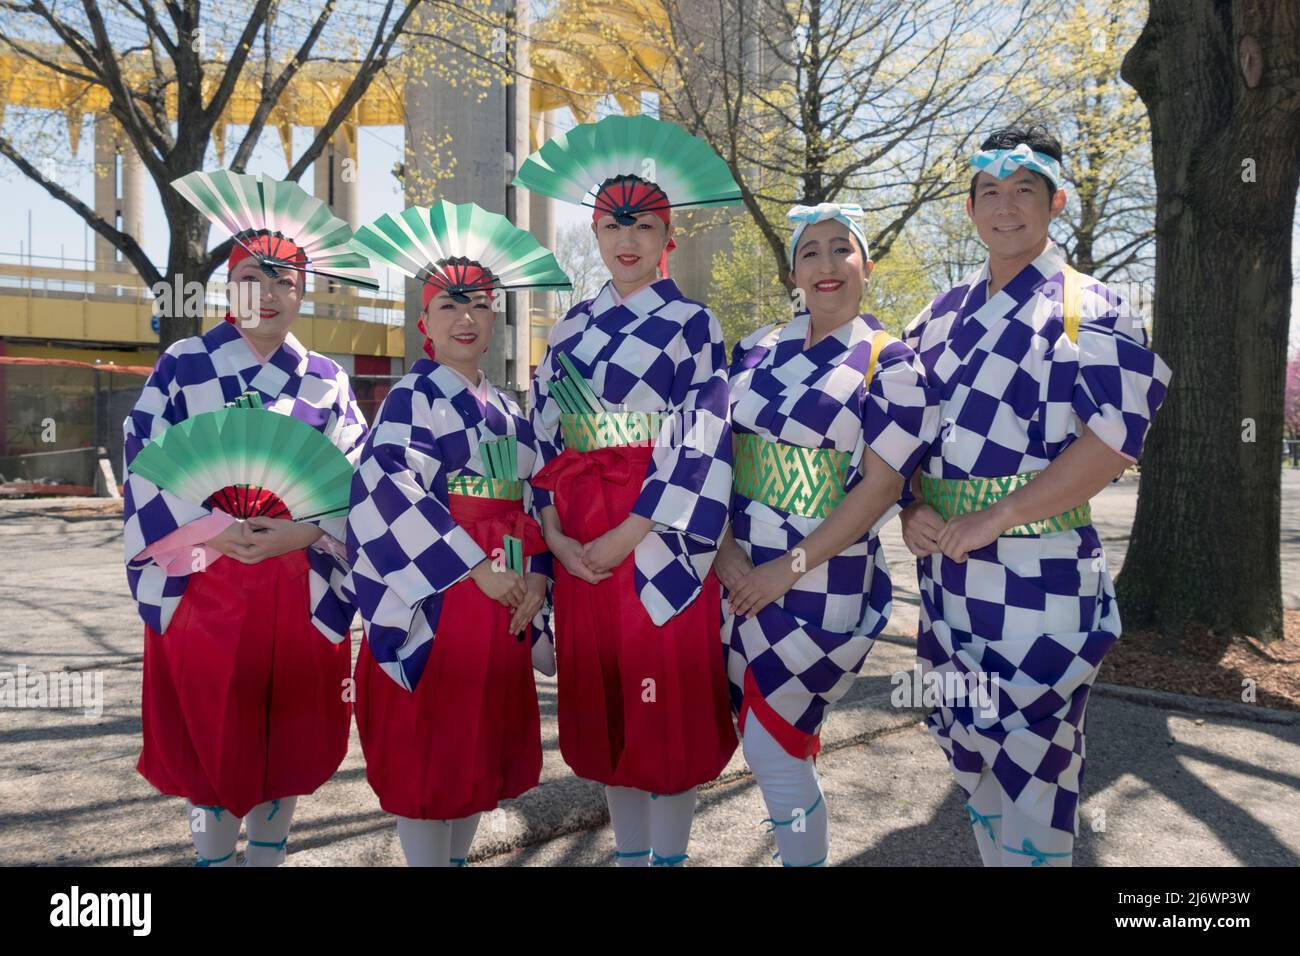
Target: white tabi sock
629	815
793	796
215	831
268	832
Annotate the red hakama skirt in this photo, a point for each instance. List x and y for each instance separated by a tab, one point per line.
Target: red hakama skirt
640	705
469	735
243	698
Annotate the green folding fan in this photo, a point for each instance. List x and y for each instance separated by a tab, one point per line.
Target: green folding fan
574	165
247	205
571	391
437	243
249	461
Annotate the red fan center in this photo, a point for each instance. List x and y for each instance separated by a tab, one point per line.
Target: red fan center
247	501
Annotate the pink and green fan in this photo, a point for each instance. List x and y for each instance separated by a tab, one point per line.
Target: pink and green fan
574	165
249	461
246	206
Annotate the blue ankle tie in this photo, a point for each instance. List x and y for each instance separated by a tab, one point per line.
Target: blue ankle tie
629	856
977	819
204	861
458	861
785	823
658	860
1028	849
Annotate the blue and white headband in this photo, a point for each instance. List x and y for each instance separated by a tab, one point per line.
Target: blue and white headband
1001	163
848	213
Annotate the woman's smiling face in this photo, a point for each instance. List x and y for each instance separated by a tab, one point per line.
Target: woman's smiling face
460	331
829	268
265	306
631	253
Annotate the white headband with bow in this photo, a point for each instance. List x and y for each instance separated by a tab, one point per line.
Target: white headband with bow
848	213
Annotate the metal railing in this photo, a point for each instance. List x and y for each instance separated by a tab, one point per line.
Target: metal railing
75	278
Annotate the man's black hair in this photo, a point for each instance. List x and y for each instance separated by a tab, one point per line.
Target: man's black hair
1036	137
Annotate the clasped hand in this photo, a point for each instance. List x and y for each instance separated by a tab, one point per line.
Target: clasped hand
523	595
257	538
925	533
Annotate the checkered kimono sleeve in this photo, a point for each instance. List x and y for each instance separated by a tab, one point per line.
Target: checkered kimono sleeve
688	487
900	411
912	340
1118	382
346	428
404	546
150	513
544	412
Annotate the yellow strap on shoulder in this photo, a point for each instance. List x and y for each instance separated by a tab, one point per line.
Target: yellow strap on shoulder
1070	306
878	342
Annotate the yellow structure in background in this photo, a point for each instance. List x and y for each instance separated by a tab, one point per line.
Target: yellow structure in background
577	55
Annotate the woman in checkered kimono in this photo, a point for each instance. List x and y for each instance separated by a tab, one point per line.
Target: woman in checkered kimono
830	415
245	662
448	567
630	408
1043	375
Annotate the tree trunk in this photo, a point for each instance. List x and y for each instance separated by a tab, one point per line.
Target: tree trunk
1221	82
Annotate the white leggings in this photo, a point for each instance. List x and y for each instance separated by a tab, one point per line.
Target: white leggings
793	796
216	831
650	828
437	842
1006	837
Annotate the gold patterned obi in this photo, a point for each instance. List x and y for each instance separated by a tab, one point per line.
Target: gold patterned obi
959	496
475	486
589	431
791	478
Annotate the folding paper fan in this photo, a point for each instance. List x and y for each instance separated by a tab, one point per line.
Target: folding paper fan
247	206
249	461
441	244
574	165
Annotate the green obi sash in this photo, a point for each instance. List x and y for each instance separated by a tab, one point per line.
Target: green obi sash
475	486
500	457
959	496
589	431
791	478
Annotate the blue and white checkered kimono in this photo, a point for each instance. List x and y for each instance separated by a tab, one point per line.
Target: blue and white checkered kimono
656	352
203	374
801	652
405	547
1034	614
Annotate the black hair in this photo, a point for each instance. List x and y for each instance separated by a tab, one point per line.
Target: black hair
1036	137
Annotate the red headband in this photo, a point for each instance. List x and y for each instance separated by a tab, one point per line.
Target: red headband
264	245
462	276
466	277
633	196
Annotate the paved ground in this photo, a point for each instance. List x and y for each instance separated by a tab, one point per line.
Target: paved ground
1171	780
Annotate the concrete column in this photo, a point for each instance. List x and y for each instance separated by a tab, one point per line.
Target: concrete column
518	204
105	135
119	191
541	212
480	145
334	174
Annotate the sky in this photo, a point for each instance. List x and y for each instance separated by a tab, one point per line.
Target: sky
56	231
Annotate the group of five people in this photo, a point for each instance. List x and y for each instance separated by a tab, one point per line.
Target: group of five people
701	533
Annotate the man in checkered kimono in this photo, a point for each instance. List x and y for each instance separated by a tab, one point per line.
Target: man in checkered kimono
830	415
246	622
1044	375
